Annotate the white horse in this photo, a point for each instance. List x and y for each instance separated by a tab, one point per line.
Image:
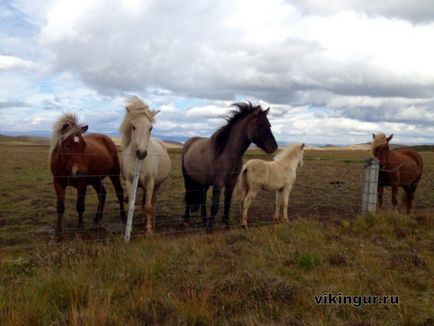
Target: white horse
278	175
137	143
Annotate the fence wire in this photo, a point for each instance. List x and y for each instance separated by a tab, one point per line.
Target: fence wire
334	188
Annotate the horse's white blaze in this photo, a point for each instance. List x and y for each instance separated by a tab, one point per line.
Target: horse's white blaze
155	167
278	175
74	169
76	139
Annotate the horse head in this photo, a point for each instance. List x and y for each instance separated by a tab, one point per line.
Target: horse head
140	128
72	147
382	150
301	155
259	131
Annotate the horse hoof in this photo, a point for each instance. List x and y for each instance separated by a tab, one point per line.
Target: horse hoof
227	227
244	227
209	230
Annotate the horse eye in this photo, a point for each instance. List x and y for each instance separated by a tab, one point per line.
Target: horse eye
134	128
150	129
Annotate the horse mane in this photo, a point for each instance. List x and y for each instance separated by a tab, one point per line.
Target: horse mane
59	133
135	108
289	152
379	139
221	136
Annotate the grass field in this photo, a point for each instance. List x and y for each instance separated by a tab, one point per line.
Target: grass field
263	276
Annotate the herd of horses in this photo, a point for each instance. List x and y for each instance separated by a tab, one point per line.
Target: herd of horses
81	160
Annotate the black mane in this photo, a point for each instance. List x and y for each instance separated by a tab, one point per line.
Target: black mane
221	136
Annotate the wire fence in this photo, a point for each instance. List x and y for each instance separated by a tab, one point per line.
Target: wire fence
327	186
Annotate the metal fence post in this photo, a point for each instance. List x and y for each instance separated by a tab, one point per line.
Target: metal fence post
370	186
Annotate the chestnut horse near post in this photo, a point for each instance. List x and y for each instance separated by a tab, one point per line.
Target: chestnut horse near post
217	161
398	168
79	161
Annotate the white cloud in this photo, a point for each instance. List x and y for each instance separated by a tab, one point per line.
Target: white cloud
415	10
331	73
8	62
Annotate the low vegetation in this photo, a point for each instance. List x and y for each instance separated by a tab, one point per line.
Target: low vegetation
265	275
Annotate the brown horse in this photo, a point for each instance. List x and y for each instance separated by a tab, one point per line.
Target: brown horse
79	161
398	168
217	161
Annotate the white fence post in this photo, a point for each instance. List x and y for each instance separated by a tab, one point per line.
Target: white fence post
132	203
370	186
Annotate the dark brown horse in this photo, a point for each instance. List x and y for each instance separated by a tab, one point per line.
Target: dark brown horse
79	161
398	168
217	161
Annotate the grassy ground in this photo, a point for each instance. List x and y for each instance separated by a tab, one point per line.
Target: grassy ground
263	276
267	275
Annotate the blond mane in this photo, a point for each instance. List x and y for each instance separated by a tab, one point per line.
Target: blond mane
288	152
134	109
379	139
60	132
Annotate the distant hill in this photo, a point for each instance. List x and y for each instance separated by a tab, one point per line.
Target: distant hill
177	142
424	148
24	140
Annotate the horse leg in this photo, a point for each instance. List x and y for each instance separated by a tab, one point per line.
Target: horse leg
227	205
395	188
285	199
101	193
245	206
278	205
203	207
380	196
216	191
154	199
410	197
120	195
60	194
149	209
81	195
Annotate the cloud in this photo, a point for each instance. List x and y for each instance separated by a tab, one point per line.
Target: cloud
416	11
13	104
8	62
221	50
331	73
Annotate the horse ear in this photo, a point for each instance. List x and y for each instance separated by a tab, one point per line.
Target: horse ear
155	112
126	108
302	146
84	128
373	136
266	111
389	138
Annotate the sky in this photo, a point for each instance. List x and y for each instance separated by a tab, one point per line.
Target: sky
333	72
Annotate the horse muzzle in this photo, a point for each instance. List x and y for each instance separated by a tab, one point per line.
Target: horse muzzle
270	149
141	155
78	172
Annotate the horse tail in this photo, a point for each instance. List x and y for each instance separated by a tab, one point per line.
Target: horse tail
194	192
242	187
